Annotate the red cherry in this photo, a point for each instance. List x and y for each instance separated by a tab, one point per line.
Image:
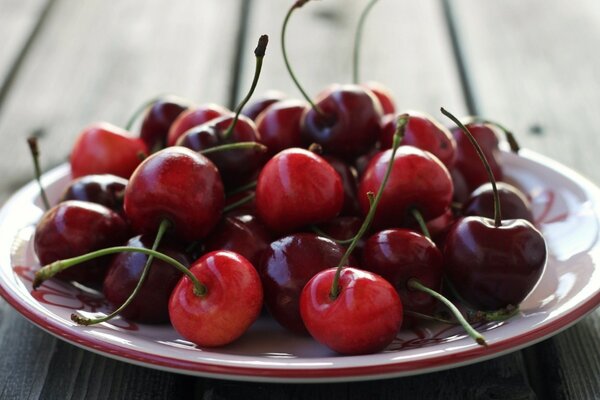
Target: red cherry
232	302
105	189
297	188
383	94
194	117
179	185
363	319
73	228
418	180
280	125
102	148
254	109
158	121
350	184
514	203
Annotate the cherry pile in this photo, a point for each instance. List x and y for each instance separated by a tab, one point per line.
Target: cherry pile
344	218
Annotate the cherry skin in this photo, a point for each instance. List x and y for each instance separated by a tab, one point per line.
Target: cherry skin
102	148
104	189
418	180
193	117
232	302
254	109
179	185
72	228
514	203
151	305
158	121
243	234
350	184
422	132
344	228
350	125
297	188
467	161
363	319
494	267
280	125
235	166
461	190
399	255
383	94
285	268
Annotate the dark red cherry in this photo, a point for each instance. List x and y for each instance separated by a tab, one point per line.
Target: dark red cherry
417	180
105	189
467	161
461	189
350	124
383	94
243	234
179	185
399	255
422	132
287	265
254	109
514	204
236	166
158	121
72	228
152	302
494	267
280	125
350	183
344	228
193	117
297	188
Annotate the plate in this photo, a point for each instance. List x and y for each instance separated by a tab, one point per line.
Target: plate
566	207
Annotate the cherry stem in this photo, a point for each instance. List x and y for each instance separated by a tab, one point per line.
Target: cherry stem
398	134
320	232
429	317
297	4
235	146
164	225
486	164
243	188
49	270
35	155
259	53
358	39
240	202
416	285
421	221
510	137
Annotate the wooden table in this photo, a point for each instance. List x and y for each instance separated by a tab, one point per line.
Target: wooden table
533	65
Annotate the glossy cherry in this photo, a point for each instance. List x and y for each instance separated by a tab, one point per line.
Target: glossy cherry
124	272
193	117
342	230
286	266
158	120
256	107
514	203
297	188
105	189
178	185
102	148
231	303
280	125
383	94
73	228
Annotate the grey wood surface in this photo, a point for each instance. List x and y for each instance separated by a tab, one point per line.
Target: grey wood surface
528	64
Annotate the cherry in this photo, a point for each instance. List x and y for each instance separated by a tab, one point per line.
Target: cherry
383	94
178	185
280	125
493	264
194	117
241	233
286	266
72	228
423	132
158	120
461	190
124	272
254	109
105	189
350	184
103	148
514	203
297	188
232	300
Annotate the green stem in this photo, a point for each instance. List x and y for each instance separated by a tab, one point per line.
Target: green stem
478	337
320	232
488	169
35	154
358	40
421	221
335	286
240	202
48	271
259	53
429	317
243	188
235	146
164	225
297	4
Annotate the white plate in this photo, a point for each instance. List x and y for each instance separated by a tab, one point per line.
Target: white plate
566	208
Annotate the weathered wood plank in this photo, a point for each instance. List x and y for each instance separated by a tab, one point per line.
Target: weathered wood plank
534	66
